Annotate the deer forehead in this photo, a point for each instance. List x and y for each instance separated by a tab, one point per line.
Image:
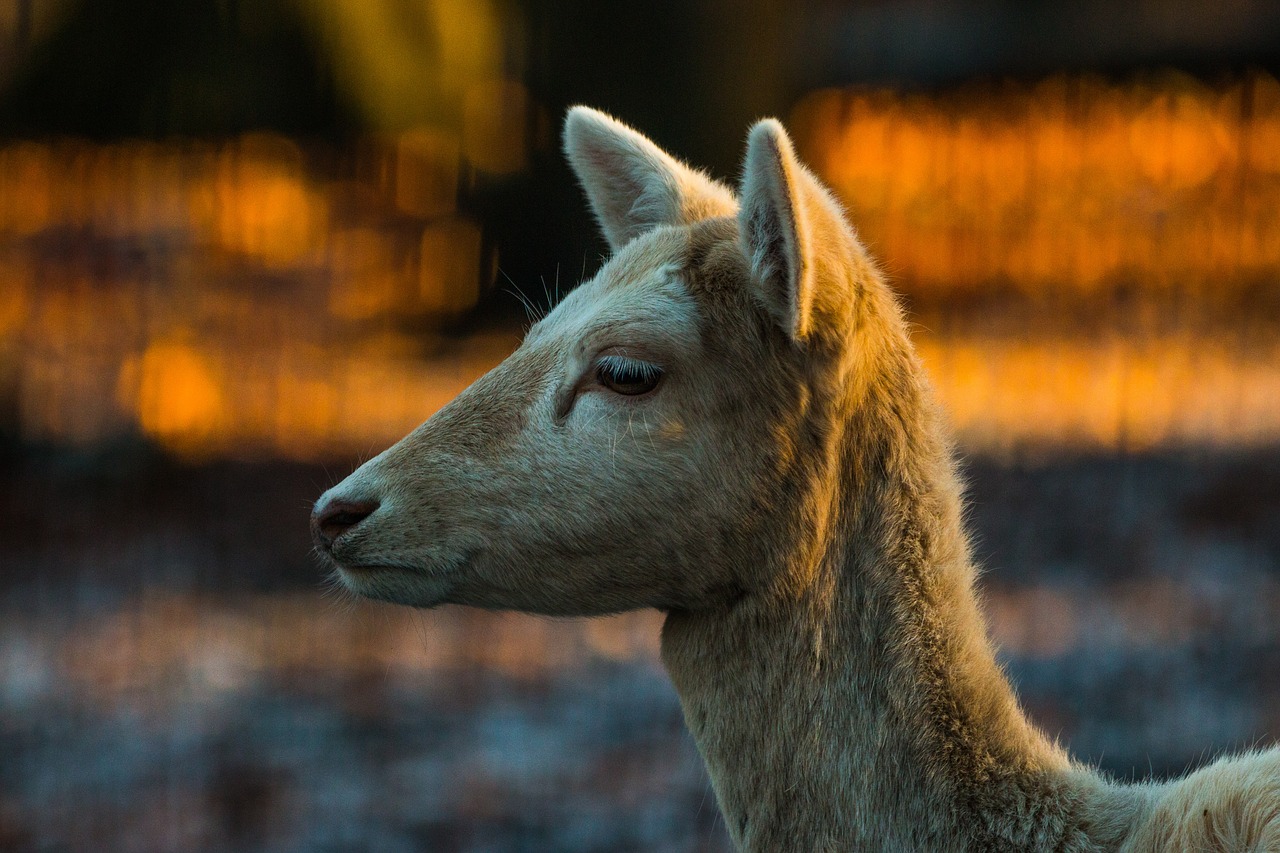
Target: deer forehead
640	300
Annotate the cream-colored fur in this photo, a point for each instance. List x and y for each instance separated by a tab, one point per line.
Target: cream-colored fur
786	494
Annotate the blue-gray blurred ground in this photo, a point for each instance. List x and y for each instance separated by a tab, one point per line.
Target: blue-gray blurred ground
173	675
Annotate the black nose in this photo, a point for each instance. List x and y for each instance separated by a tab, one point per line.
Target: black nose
337	518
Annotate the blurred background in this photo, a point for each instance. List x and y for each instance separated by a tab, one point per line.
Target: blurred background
245	244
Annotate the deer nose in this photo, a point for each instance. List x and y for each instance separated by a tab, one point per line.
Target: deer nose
336	518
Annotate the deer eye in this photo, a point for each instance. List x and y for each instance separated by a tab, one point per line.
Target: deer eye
627	376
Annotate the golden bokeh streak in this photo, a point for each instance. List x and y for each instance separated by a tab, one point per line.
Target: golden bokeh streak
228	299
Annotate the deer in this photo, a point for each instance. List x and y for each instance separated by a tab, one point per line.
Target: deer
729	423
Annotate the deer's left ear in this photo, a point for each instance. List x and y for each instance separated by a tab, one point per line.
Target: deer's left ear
774	226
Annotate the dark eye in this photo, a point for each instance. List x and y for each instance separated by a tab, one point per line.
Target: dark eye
628	376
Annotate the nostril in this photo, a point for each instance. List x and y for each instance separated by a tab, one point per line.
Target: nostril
339	517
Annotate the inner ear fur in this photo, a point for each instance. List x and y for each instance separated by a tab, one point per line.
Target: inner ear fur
775	227
633	185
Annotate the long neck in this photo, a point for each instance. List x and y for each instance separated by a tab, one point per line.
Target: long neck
864	709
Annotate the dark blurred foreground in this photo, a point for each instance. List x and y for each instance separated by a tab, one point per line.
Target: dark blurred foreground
173	677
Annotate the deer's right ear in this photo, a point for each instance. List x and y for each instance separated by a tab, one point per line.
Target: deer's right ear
632	184
774	227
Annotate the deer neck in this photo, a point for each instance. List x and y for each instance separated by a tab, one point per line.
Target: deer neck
864	708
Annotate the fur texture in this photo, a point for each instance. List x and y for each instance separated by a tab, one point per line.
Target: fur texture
785	492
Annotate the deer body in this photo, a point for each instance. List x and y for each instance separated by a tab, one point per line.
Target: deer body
729	423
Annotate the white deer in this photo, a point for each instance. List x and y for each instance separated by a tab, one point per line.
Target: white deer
729	423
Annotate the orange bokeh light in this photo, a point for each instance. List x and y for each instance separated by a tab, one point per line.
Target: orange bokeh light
234	299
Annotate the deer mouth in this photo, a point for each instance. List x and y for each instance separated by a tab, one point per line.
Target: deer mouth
400	582
395	584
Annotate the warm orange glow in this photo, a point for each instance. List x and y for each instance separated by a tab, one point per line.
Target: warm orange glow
235	299
300	402
262	204
26	198
1004	394
1073	184
15	280
368	275
219	298
179	398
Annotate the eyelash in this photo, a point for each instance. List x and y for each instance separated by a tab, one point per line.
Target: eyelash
627	376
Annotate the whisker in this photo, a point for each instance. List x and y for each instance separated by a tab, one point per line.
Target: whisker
648	431
531	311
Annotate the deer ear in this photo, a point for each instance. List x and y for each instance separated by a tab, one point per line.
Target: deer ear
774	228
632	184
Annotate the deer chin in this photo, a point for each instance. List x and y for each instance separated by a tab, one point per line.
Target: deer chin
400	582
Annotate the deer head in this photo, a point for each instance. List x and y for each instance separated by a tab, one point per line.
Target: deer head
663	437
